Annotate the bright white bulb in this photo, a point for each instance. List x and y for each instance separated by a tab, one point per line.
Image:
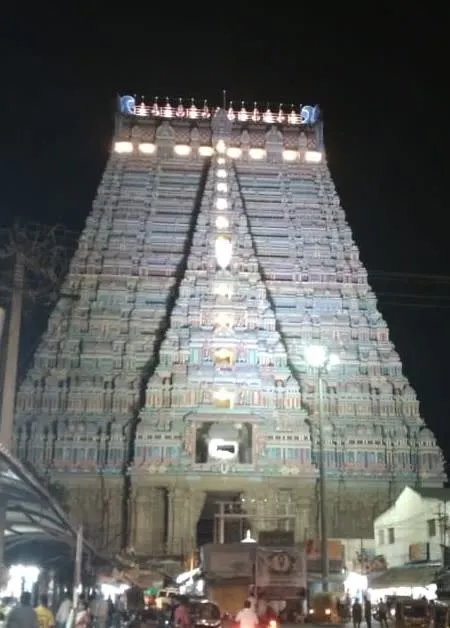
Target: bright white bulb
248	538
222	187
221	173
220	160
183	150
224	320
220	147
146	148
234	152
333	359
221	449
222	222
290	155
223	395
257	153
123	147
313	156
205	151
221	204
224	252
316	355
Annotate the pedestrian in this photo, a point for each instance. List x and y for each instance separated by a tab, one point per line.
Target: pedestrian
63	612
247	618
357	613
45	616
23	615
368	612
383	614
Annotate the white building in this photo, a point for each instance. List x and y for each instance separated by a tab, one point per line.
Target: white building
410	535
413	529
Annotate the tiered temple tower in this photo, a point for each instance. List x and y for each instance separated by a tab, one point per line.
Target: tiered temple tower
215	253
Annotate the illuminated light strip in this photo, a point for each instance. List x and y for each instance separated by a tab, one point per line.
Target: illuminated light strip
146	148
305	115
123	147
313	156
234	152
182	150
257	153
290	155
206	151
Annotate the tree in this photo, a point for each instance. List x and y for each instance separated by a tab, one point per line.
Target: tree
38	259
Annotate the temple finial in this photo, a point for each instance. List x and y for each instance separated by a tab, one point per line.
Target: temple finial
224	98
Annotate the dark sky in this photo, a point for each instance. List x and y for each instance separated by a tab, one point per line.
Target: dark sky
381	79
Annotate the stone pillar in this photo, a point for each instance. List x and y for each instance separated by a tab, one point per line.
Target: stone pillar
196	503
43	582
148	521
177	516
184	510
301	523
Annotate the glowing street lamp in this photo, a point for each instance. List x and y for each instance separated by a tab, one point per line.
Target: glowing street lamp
320	359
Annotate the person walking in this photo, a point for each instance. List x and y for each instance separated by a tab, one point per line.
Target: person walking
383	614
23	615
247	618
357	613
45	616
368	612
63	612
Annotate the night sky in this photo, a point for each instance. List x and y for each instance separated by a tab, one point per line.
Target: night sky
381	80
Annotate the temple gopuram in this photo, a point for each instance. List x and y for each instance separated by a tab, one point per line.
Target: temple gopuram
215	254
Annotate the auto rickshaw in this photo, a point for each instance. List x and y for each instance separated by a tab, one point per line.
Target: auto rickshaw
411	613
324	609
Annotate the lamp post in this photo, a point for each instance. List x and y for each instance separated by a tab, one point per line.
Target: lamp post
320	360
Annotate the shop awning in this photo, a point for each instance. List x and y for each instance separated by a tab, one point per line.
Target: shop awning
32	516
407	576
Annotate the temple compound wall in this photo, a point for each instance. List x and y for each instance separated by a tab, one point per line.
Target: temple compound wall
215	254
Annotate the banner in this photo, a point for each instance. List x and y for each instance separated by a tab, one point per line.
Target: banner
280	567
229	561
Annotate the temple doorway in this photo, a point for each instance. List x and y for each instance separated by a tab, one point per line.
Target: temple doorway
222	519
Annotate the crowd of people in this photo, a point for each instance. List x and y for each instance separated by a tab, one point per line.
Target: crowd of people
364	611
23	615
97	611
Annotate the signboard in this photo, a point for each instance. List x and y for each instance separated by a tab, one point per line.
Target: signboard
336	552
280	568
230	561
276	538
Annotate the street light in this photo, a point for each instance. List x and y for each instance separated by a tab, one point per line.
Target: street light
320	359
